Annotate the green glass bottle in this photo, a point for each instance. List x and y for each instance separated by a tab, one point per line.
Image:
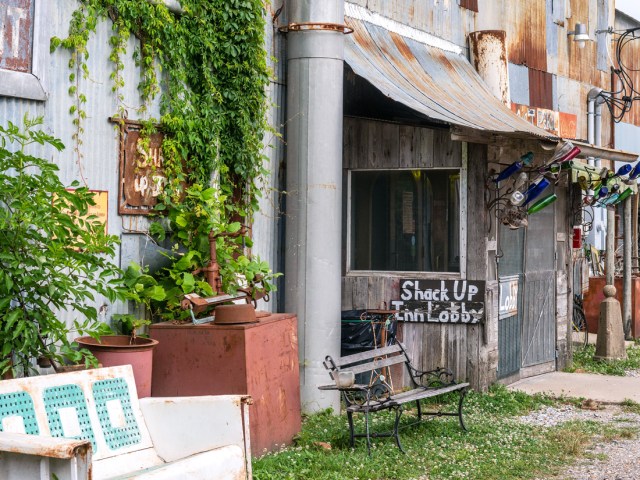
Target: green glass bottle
623	196
540	204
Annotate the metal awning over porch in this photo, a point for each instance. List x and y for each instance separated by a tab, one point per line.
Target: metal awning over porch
434	78
438	83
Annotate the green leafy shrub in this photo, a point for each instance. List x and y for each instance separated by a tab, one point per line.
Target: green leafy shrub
53	255
189	223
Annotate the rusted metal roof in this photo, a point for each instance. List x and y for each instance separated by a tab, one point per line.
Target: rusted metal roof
438	83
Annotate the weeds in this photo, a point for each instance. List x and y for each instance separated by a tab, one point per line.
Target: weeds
629	406
584	362
496	447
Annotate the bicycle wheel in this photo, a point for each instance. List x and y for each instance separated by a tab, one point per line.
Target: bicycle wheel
581	333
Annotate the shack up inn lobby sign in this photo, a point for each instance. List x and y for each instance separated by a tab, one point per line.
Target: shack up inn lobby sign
440	301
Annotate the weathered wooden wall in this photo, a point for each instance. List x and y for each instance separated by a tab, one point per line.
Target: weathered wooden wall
498	157
469	350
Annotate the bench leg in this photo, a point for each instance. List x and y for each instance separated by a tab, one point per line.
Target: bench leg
395	428
351	432
366	421
463	393
419	410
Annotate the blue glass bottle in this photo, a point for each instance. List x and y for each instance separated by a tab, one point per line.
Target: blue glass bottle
516	166
536	189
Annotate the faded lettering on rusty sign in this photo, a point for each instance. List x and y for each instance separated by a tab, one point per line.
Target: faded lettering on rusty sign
142	176
16	34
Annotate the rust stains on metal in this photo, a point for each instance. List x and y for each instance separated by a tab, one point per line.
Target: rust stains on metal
528	39
438	83
309	26
469	5
402	46
540	89
489	57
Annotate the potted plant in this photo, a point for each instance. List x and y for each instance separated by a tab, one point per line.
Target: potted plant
128	347
54	256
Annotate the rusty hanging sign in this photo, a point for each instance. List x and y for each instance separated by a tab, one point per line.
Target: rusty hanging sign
440	301
142	176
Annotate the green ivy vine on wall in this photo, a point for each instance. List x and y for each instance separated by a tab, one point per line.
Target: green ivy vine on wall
208	64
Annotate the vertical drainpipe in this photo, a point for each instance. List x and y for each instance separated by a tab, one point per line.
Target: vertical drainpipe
314	191
594	137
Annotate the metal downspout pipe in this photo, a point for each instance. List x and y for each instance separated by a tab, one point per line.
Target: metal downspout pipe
594	137
314	191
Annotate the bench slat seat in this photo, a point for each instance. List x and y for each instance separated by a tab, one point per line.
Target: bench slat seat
378	394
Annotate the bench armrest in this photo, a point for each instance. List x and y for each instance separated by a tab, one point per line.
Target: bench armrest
361	394
42	446
35	456
353	388
183	426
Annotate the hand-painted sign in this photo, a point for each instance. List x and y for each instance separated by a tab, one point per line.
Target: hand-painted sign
508	303
142	176
440	301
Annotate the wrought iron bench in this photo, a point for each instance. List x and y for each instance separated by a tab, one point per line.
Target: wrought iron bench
378	395
91	425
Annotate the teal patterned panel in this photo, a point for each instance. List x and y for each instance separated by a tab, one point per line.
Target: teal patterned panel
116	389
19	404
68	396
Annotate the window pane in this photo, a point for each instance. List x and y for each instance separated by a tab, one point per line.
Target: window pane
405	220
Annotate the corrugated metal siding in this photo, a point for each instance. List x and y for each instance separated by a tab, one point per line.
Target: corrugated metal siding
98	166
444	18
268	220
527	33
440	84
540	89
470	4
630	56
603	41
519	83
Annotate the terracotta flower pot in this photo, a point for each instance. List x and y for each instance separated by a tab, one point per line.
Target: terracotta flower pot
114	350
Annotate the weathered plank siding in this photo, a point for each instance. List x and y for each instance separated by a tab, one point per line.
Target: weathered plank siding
469	351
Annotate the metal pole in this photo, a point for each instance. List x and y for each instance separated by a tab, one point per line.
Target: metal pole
626	299
314	190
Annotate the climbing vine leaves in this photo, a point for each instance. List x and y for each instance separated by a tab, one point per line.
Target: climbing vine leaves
208	64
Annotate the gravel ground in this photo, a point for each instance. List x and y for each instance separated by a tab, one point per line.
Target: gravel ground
616	460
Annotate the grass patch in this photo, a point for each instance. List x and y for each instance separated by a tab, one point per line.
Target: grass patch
629	406
583	362
496	447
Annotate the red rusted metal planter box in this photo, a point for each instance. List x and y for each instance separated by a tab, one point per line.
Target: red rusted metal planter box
259	359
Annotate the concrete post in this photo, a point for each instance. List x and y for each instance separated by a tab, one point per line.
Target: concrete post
610	343
314	190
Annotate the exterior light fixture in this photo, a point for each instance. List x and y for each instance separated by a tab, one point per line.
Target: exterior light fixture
580	35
